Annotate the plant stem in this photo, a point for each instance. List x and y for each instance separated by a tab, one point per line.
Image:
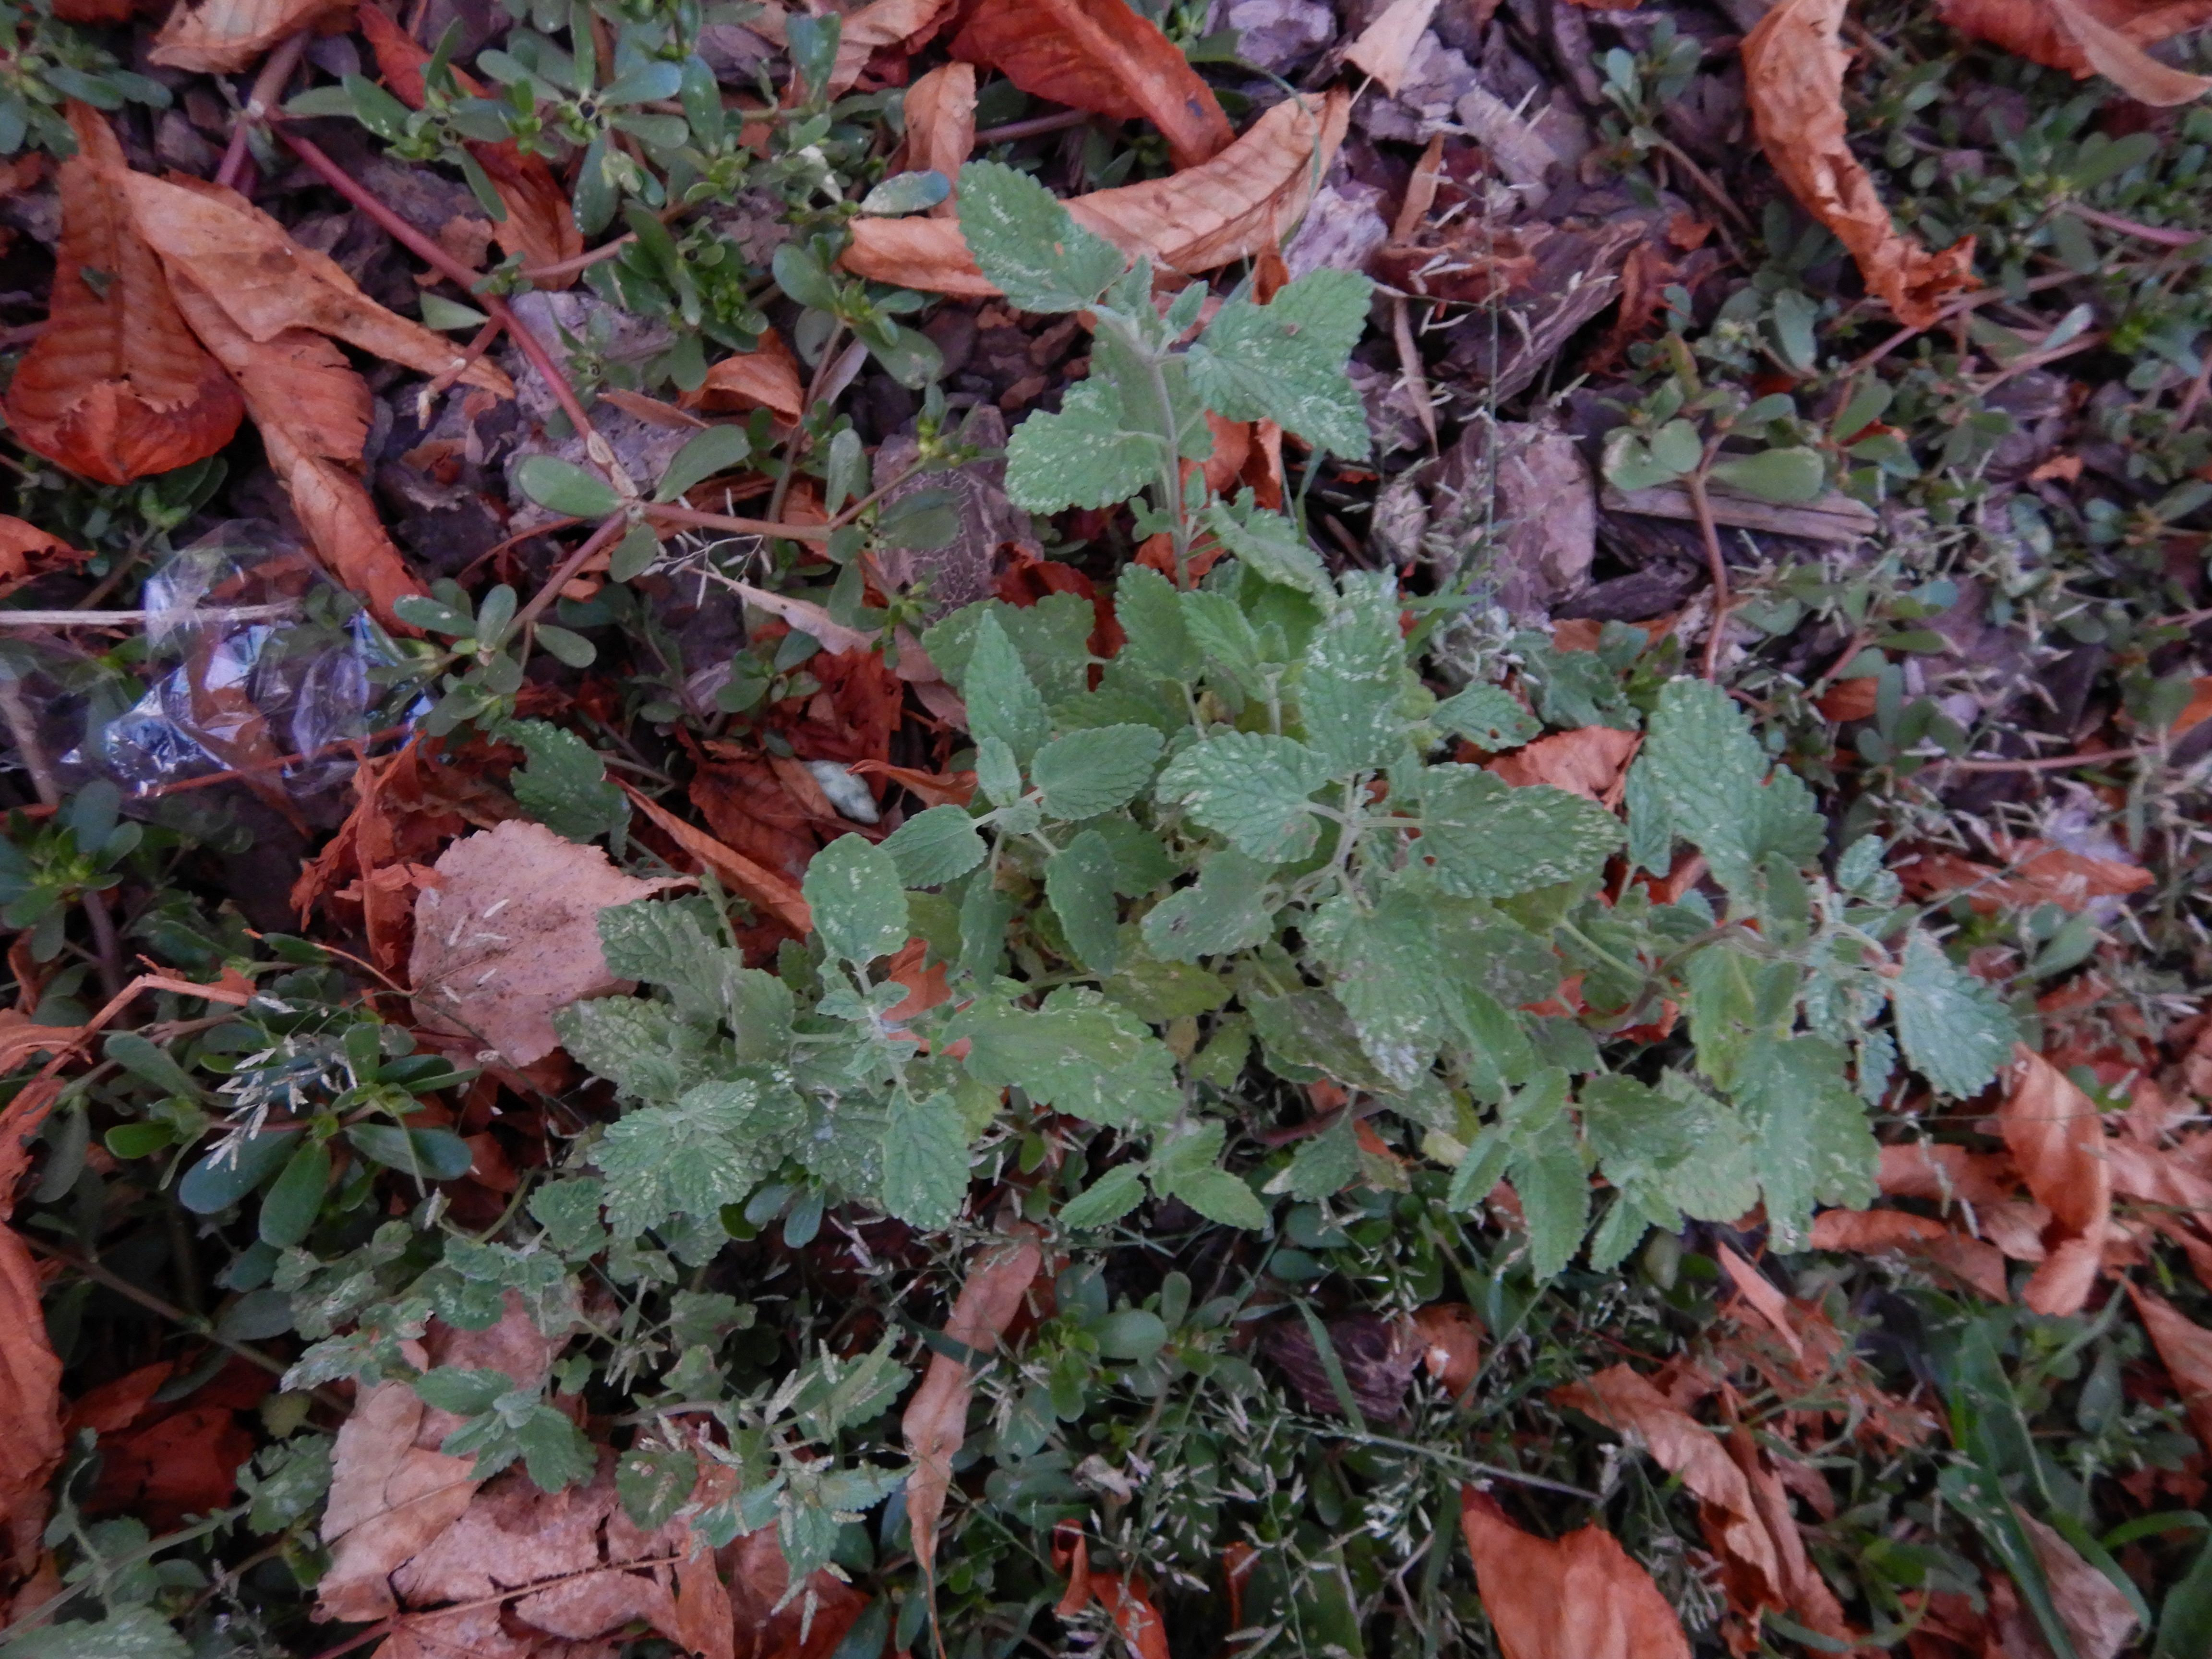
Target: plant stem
268	88
566	572
695	520
1715	564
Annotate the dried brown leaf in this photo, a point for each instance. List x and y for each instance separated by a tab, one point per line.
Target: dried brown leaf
1947	1175
1760	1292
2096	1614
2058	1139
1588	762
940	126
881	23
1385	47
2186	1347
1871	1232
30	1403
1580	1597
115	386
2105	37
266	283
757	882
26	552
766	377
1100	56
936	1420
1451	1338
1793	63
223	36
511	932
1191	222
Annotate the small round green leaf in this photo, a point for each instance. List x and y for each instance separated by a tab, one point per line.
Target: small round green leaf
567	488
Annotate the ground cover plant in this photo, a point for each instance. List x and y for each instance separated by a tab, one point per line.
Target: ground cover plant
961	827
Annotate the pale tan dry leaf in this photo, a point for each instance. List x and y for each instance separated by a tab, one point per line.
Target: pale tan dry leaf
1100	56
20	1039
940	126
1451	1338
1758	1291
313	412
511	932
936	1420
1385	47
1588	762
2058	33
1579	1598
2096	1614
1793	63
1190	221
393	1492
766	377
220	36
2185	1349
882	23
115	386
2058	1139
30	1403
266	283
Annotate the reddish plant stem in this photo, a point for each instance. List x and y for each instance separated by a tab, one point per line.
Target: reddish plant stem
575	562
268	89
695	520
408	237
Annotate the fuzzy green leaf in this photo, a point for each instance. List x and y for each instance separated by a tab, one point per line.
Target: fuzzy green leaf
1488	716
1545	1166
1492	840
1106	1201
1226	909
1078	1055
1149	611
1028	245
1283	362
1382	959
853	887
1955	1031
1093	453
935	847
1085	774
1349	688
925	1161
1251	787
1713	774
1270	545
710	1148
1003	701
1811	1138
1079	882
564	785
1187	1168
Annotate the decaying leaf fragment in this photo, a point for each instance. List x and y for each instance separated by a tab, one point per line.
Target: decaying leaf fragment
1579	1598
30	1404
936	1420
2085	37
2058	1139
1793	66
511	932
940	126
1191	222
1100	56
115	387
223	36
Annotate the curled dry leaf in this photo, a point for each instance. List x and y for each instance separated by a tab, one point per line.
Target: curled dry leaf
1452	1344
1125	1598
2036	872
115	386
265	283
1793	65
313	412
2097	1616
936	1420
220	36
766	377
2105	37
758	883
1947	1175
1741	1505
539	224
1871	1232
908	23
1580	1597
1758	1291
2058	1139
1190	221
940	126
26	552
1100	56
30	1404
1588	762
1385	47
2185	1348
511	932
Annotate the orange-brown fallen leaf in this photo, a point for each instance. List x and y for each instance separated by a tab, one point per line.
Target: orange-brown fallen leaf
27	552
881	23
1760	1293
936	1420
2035	872
1580	1597
1588	762
30	1402
115	386
757	883
940	126
1100	56
2058	1139
766	377
2196	710
1125	1598
511	934
223	36
1793	63
1949	1175
1190	221
2185	1348
1451	1344
1870	1232
2091	1607
539	223
2105	37
1385	47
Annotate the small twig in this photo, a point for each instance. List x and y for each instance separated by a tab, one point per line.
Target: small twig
1953	309
1035	127
268	90
2193	399
125	618
23	727
581	262
2156	235
104	940
1716	563
2049	763
695	520
477	347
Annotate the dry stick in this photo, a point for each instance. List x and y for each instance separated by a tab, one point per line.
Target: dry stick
1702	506
122	618
2049	763
1955	308
695	520
268	88
2156	235
404	233
1036	127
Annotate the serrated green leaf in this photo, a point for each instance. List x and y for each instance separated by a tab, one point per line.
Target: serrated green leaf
1186	1169
1284	361
1493	839
1350	685
1545	1166
1093	453
647	1052
1271	546
1251	787
1489	716
1078	1055
1079	880
562	487
1086	773
563	784
708	1149
935	847
1003	701
1227	638
132	1633
1324	1165
1956	1031
1713	774
654	1482
853	887
1228	909
1381	960
1149	611
1106	1201
925	1178
1028	245
1811	1138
